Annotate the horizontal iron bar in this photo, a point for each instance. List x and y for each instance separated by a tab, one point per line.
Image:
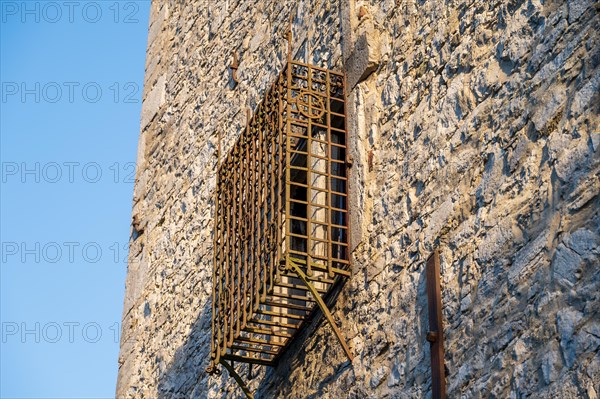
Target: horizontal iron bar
276	314
295	297
298	287
275	323
300	123
337	226
323	240
258	341
265	331
315	278
245	359
251	349
287	306
319	267
314	67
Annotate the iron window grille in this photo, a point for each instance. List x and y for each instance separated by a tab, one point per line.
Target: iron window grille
281	235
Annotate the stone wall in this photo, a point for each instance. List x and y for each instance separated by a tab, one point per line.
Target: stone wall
475	129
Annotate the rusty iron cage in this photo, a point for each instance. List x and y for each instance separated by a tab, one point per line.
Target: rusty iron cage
281	236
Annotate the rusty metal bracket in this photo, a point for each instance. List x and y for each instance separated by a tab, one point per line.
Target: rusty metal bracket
298	270
238	379
435	335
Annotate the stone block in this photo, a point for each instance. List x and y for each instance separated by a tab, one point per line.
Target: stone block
364	59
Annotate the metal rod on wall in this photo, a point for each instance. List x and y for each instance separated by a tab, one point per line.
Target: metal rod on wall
435	335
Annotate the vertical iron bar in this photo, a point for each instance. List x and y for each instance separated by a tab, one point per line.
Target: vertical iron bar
261	210
227	264
252	217
272	181
214	337
346	173
435	335
328	175
309	163
288	230
230	255
240	244
281	153
256	234
247	194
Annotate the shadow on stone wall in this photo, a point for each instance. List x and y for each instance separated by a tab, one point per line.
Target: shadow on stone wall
277	381
186	373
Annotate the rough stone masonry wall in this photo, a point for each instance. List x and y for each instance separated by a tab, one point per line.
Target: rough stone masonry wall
475	129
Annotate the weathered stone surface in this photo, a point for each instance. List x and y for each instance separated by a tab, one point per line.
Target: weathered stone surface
153	101
474	129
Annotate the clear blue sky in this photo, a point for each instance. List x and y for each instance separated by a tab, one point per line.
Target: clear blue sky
72	81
